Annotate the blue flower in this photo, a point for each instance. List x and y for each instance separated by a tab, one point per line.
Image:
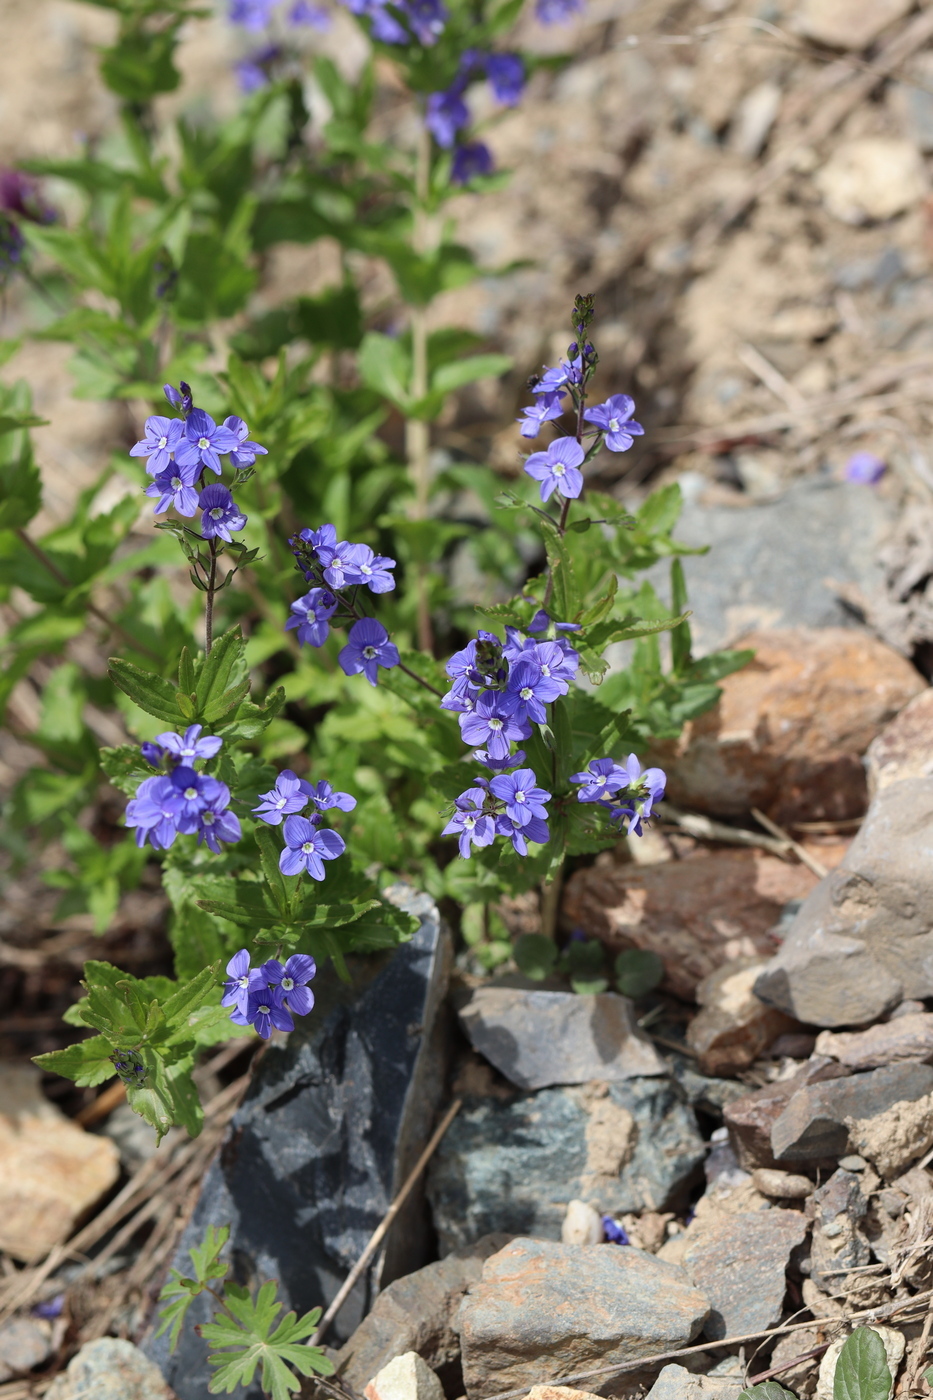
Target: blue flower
289	984
547	408
216	822
175	487
324	797
530	690
221	514
427	19
614	1232
244	454
180	397
556	379
307	846
865	468
154	813
163	436
506	74
190	746
253	15
470	823
204	441
196	793
614	418
369	568
492	726
340	564
240	978
290	794
511	760
600	780
446	114
557	469
263	1013
367	649
311	615
302	12
522	797
557	11
533	830
471	160
320	540
152	753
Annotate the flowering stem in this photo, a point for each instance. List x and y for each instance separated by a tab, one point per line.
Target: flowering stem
209	607
550	902
357	616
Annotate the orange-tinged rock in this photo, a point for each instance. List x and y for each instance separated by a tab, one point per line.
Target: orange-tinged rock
905	748
790	729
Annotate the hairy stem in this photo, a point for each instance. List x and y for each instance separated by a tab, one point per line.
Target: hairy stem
550	903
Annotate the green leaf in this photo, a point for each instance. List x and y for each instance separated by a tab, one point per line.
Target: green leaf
150	692
385	366
87	1062
862	1368
767	1390
454	376
638	971
566	597
681	640
189	997
269	853
224	678
535	955
141	65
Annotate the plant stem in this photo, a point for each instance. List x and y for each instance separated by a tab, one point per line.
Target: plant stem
550	903
209	607
421	680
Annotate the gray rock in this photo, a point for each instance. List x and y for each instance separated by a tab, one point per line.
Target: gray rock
134	1137
24	1342
545	1310
838	1244
677	1383
813	1125
702	1090
740	1267
515	1165
418	1313
538	1039
904	1037
864	935
769	564
751	1118
109	1369
331	1126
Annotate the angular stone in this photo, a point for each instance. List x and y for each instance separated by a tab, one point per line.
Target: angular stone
515	1165
558	1392
838	1244
677	1383
406	1377
903	1038
109	1369
733	1026
897	1136
546	1310
783	1186
332	1124
418	1313
24	1342
538	1039
789	730
51	1172
813	1125
847	24
904	748
698	913
872	178
865	934
740	1268
751	1117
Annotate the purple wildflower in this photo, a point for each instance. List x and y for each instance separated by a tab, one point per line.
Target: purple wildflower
557	660
471	160
175	487
367	649
600	780
154	813
557	11
240	979
253	15
322	542
152	753
179	398
196	793
614	1232
547	408
324	797
244	454
533	830
553	380
221	513
469	823
506	74
865	469
290	794
371	569
557	469
216	822
386	28
311	615
307	846
251	76
512	760
446	114
614	417
339	559
304	13
426	19
163	436
541	622
529	690
492	726
522	797
263	1012
289	984
204	441
189	747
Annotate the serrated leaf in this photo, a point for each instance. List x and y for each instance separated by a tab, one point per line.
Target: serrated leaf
224	678
862	1371
150	692
88	1062
269	853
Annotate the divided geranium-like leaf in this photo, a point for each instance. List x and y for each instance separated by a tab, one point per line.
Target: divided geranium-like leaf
862	1371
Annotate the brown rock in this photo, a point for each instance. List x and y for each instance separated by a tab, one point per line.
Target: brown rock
904	1038
546	1310
51	1173
733	1027
783	1186
698	913
740	1268
790	729
813	1126
894	1138
904	749
751	1118
558	1392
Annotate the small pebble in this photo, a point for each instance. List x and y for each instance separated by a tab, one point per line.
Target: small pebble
786	1186
853	1163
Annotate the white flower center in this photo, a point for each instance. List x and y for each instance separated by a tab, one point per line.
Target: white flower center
216	513
177	483
469	823
613	425
191	793
600	780
288	983
204	442
369	653
264	1010
519	797
163	442
243	981
559	468
545	670
526	692
308	847
280	803
495	724
365	569
208	818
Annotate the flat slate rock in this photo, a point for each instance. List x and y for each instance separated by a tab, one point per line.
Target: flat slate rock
740	1267
813	1125
514	1165
332	1124
677	1383
538	1039
544	1310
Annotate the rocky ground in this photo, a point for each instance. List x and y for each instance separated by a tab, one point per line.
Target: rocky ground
746	189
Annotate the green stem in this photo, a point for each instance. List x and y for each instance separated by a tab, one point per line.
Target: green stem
417	434
209	607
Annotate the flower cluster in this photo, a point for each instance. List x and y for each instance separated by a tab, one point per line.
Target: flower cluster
403	20
182	800
307	844
19	200
447	114
510	804
331	566
268	996
180	450
626	791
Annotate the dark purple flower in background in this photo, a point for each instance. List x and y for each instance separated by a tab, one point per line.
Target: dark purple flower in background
547	408
557	11
367	649
221	514
311	615
557	469
244	454
426	19
506	74
302	12
152	753
290	794
175	487
446	113
189	746
471	160
324	797
204	441
469	823
253	15
522	797
240	977
50	1308
865	469
492	726
162	438
614	417
307	847
289	984
369	568
180	397
614	1232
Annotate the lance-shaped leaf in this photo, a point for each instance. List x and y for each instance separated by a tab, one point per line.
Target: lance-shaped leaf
151	693
224	678
269	852
88	1062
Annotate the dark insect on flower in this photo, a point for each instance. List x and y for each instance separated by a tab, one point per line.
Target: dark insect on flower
129	1067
